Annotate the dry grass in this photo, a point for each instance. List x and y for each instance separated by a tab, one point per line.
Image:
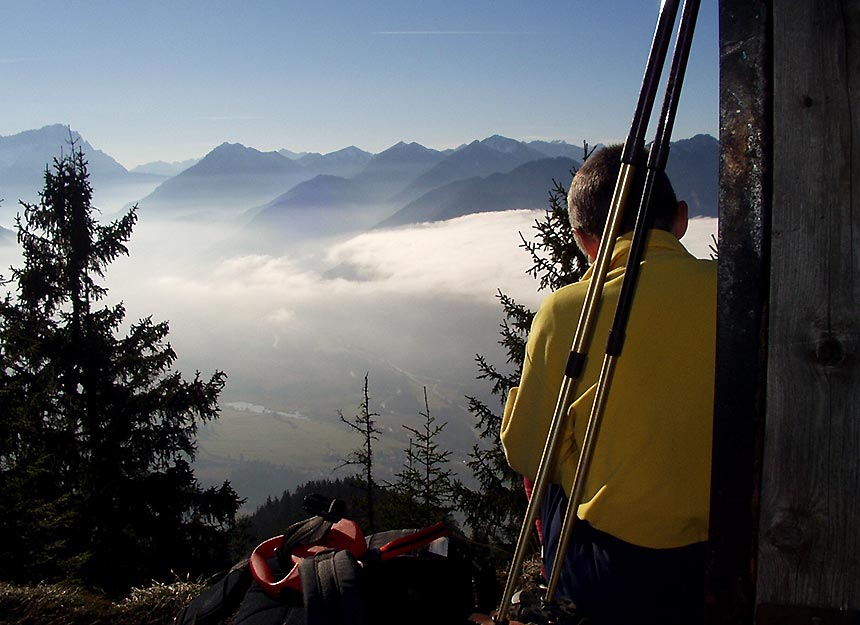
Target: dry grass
531	577
157	604
45	604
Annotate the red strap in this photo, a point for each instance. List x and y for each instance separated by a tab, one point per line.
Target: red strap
528	485
413	541
344	534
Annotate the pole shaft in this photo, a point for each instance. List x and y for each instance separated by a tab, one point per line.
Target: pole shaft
656	163
633	144
565	396
585	456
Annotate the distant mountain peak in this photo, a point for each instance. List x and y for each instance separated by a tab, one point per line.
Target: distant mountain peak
401	149
31	150
293	155
237	150
557	147
57	126
52	133
165	168
52	129
503	144
230	148
348	150
700	139
412	145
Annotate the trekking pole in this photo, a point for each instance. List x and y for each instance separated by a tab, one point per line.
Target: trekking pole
657	158
576	361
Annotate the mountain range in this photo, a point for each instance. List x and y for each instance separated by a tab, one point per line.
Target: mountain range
286	194
306	362
526	186
228	178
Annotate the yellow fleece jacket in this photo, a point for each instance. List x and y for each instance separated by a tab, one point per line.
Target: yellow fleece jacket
649	482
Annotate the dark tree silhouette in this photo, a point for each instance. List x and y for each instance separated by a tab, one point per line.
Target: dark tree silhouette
364	423
98	432
425	482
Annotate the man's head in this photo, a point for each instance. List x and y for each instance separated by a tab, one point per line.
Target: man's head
590	197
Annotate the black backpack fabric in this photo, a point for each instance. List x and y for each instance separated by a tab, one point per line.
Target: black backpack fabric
332	594
440	583
333	589
218	601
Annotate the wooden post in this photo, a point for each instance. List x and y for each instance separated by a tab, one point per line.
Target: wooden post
745	175
785	518
809	541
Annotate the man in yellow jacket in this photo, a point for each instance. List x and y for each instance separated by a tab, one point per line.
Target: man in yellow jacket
638	548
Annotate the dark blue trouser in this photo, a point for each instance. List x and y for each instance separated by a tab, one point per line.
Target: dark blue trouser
615	582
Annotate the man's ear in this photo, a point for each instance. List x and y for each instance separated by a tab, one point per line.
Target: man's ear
587	243
679	226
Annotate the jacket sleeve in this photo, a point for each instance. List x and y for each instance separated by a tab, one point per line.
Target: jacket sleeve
530	406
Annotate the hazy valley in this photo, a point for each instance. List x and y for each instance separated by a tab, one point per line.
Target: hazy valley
297	274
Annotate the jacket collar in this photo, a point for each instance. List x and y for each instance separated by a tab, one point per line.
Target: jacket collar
658	241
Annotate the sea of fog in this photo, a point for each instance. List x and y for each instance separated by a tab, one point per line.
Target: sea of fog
296	330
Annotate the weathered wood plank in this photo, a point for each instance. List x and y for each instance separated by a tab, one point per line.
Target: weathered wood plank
809	552
745	152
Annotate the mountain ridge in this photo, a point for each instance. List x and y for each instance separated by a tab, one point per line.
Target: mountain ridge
226	179
478	158
26	155
234	181
525	186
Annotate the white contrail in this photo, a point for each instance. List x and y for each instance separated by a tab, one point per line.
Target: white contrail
447	32
229	118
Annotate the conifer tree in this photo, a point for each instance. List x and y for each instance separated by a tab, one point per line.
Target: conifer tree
425	480
98	431
364	423
494	511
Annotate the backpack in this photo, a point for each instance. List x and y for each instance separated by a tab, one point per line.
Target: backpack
323	571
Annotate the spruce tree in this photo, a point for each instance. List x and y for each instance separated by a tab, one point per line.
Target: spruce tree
99	431
365	424
426	483
495	509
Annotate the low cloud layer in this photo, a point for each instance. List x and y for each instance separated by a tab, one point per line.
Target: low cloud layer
297	331
421	298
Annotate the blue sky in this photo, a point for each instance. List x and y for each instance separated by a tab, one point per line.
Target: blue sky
152	80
